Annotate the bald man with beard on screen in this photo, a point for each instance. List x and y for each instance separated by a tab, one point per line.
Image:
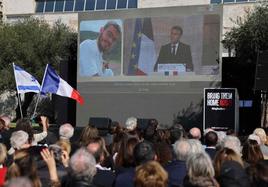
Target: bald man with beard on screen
91	51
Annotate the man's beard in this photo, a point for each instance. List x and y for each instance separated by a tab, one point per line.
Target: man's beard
100	47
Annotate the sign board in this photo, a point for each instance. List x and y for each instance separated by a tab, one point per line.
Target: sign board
221	109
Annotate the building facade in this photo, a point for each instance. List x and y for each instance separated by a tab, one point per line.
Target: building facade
67	10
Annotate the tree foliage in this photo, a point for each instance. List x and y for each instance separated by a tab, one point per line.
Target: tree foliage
32	43
250	34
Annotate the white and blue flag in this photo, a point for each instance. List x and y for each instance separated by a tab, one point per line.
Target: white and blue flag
25	82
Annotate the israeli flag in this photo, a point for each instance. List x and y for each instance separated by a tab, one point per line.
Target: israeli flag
25	82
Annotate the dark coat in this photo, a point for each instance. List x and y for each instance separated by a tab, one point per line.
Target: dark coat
104	178
176	172
125	179
183	56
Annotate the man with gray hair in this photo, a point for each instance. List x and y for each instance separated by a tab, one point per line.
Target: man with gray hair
18	140
82	169
177	168
232	142
66	131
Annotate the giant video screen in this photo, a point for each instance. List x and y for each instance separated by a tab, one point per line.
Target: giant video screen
132	53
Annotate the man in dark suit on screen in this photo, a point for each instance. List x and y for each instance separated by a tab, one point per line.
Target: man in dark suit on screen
175	52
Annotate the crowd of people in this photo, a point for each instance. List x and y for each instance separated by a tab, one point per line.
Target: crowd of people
134	155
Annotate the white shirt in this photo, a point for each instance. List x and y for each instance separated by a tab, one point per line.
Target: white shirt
91	61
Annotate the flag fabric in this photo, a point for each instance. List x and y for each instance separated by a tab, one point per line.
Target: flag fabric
25	82
52	83
143	54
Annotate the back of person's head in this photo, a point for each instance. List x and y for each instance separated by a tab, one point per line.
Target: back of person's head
195	133
125	157
199	165
196	146
144	152
66	131
82	164
221	135
200	171
18	139
131	124
150	174
175	134
163	135
19	182
3	153
261	133
65	146
251	152
232	142
182	149
258	173
150	130
207	130
232	174
224	155
254	137
164	153
24	165
25	125
211	138
88	132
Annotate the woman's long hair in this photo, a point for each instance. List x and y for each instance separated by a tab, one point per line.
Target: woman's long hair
24	166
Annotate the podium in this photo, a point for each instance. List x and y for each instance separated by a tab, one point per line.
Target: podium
221	109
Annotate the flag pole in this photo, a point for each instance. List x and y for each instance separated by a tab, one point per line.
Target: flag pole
38	98
19	101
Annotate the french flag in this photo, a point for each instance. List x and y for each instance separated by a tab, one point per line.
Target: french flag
52	83
143	54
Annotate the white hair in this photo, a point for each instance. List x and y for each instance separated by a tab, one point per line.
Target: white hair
18	139
182	149
83	163
131	123
66	131
199	165
255	137
232	142
196	146
221	135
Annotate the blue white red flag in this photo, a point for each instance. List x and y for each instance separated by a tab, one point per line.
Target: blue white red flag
52	83
143	54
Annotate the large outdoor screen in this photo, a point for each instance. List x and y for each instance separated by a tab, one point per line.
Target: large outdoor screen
143	49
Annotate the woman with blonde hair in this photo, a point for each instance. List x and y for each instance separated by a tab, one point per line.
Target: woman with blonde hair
151	174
